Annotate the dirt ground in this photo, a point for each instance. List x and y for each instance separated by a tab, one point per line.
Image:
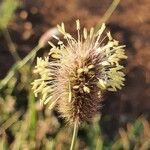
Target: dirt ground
129	24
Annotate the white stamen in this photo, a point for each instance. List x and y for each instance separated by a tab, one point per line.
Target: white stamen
70	94
109	36
47	100
51	44
55	37
100	33
52	105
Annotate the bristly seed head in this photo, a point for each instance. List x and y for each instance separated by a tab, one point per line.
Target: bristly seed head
76	77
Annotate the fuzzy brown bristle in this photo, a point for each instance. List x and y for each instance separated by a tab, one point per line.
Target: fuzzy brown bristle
81	73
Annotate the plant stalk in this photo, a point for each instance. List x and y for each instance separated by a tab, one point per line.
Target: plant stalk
11	45
107	14
18	65
74	137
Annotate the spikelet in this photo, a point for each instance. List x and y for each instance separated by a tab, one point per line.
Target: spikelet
74	80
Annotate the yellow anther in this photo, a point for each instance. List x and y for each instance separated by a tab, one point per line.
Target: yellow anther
76	87
85	33
91	32
63	26
86	89
70	93
86	70
78	24
109	36
90	66
80	70
102	84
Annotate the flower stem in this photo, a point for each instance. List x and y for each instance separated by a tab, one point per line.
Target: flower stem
75	133
107	14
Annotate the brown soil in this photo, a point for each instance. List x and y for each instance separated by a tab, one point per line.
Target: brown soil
129	23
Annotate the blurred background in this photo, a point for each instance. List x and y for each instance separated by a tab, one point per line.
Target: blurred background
123	122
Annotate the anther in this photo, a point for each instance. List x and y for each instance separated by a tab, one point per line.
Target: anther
76	87
90	66
80	70
86	89
86	70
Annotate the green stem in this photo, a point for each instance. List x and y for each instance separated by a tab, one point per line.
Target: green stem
11	45
10	121
107	14
74	137
18	65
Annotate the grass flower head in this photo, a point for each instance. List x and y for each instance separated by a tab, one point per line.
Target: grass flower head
74	76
